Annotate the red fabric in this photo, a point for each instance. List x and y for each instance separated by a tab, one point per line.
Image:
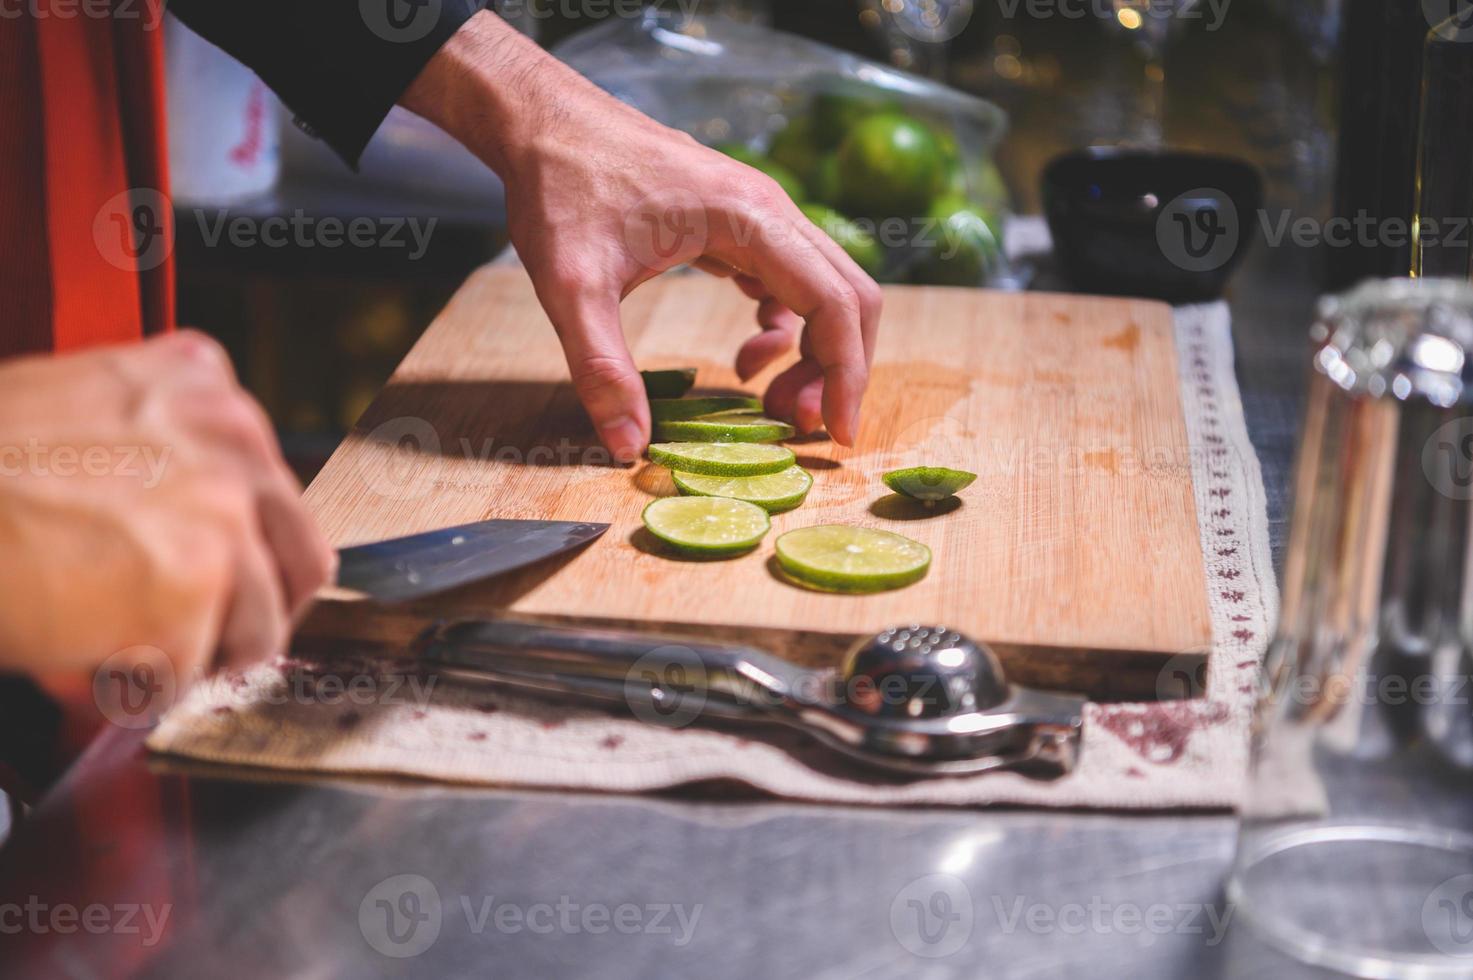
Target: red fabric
83	163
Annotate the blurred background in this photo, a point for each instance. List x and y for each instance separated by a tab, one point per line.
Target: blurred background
315	329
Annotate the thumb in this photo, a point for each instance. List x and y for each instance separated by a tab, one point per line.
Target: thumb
604	375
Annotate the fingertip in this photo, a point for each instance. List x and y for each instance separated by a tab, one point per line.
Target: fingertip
809	407
838	416
624	438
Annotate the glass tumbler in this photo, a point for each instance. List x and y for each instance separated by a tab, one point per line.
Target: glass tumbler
1356	844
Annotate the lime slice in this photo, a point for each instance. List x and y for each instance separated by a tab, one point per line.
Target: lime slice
717	428
674	409
774	492
722	458
929	483
668	384
707	525
841	558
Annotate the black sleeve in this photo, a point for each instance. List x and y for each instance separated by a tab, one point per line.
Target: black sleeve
339	65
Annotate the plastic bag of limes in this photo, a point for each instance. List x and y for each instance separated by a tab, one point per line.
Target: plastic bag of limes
896	168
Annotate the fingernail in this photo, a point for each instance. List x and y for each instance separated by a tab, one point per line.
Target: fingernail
623	437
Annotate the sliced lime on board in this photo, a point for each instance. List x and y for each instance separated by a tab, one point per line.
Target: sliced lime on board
722	459
930	483
668	384
717	428
710	526
674	409
774	493
842	558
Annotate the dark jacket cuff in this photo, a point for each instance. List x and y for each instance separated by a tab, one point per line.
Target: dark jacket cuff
339	65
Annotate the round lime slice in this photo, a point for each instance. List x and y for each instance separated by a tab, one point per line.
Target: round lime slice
674	409
717	428
668	384
709	526
841	558
722	458
929	483
774	493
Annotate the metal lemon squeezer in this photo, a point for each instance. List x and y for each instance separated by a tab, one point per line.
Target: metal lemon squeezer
914	700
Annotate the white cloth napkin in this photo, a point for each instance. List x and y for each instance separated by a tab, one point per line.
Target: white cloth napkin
367	717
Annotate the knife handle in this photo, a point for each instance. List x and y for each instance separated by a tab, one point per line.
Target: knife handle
614	665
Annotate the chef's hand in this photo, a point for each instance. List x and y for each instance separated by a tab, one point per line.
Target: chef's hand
144	502
601	198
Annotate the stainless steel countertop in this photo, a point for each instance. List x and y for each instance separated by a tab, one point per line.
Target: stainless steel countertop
278	877
267	877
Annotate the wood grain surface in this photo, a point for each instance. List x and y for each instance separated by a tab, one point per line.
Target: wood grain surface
1080	535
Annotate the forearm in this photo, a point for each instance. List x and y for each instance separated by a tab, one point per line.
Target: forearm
505	98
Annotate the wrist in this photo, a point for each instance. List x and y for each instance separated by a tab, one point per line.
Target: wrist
487	87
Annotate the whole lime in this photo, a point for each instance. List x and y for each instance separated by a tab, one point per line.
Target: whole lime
860	244
962	245
837	110
890	166
981	182
991	190
793	147
823	186
786	179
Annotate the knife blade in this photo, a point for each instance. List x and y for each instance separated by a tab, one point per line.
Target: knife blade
412	567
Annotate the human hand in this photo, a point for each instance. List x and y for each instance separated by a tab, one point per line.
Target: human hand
144	503
601	198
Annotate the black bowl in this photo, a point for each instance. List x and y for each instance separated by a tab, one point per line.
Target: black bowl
1166	224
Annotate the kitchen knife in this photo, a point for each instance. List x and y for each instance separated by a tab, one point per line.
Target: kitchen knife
408	568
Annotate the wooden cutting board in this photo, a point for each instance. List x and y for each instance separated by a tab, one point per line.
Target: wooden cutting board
1079	536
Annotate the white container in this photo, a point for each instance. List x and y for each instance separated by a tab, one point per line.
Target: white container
224	123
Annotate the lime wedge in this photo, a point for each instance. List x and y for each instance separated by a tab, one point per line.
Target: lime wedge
717	428
841	558
674	409
774	493
930	483
722	458
668	384
709	526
